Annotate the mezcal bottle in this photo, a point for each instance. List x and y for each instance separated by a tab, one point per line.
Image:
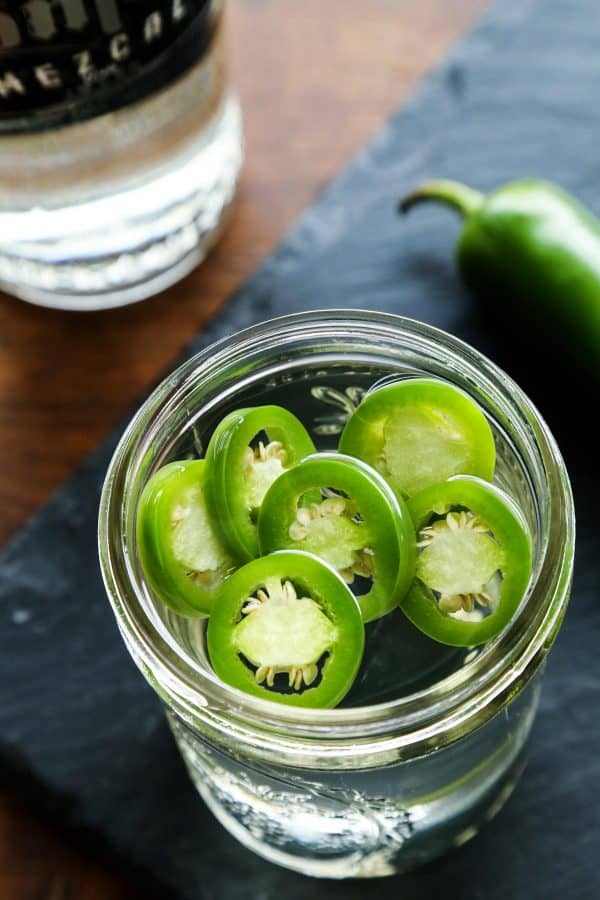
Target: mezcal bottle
120	146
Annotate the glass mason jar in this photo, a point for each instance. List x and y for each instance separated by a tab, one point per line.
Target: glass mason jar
120	146
396	777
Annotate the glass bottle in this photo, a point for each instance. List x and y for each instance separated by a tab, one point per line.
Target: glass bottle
120	146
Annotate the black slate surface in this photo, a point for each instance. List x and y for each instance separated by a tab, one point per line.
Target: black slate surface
78	724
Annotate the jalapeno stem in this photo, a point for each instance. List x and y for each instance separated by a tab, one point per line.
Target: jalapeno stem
458	196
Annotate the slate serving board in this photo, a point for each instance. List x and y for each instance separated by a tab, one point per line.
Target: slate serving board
78	724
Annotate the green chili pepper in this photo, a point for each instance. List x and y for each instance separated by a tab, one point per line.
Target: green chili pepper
240	468
180	552
535	249
474	562
419	431
359	526
287	621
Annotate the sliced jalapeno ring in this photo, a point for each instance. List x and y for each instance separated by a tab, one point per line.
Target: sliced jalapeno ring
474	563
286	628
420	431
183	558
358	525
241	467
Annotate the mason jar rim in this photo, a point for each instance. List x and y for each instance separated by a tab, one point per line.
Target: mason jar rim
363	735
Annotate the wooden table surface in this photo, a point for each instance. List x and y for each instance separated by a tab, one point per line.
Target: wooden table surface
316	79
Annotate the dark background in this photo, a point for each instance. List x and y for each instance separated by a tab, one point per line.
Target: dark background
518	98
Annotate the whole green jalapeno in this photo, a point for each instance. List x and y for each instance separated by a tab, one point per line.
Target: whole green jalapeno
532	248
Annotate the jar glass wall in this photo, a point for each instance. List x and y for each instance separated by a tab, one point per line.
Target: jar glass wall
400	772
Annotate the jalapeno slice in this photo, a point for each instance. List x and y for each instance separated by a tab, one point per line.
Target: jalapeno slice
474	561
357	525
241	466
182	557
286	628
418	432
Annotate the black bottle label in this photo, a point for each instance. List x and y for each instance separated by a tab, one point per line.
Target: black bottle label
67	60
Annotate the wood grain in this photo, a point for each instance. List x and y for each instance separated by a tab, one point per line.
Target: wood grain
316	79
